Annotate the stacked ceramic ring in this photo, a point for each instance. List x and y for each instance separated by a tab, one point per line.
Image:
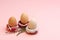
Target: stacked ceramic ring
31	28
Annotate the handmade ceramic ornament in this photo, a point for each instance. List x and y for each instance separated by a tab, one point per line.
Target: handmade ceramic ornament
23	20
31	27
12	24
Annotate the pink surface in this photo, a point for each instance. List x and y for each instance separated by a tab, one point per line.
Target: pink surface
45	12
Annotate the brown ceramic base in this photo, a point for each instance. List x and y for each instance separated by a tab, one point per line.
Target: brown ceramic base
10	30
32	33
21	26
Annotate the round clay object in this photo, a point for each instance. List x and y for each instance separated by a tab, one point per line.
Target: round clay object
24	18
12	21
32	25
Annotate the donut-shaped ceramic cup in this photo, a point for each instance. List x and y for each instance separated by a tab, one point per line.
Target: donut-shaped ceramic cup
32	31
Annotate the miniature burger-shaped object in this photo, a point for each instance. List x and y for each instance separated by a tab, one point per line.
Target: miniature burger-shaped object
12	24
31	28
23	20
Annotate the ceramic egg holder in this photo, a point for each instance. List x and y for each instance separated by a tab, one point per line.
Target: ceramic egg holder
31	28
23	20
12	25
11	29
21	25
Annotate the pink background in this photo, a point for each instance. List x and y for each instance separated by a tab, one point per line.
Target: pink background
45	12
